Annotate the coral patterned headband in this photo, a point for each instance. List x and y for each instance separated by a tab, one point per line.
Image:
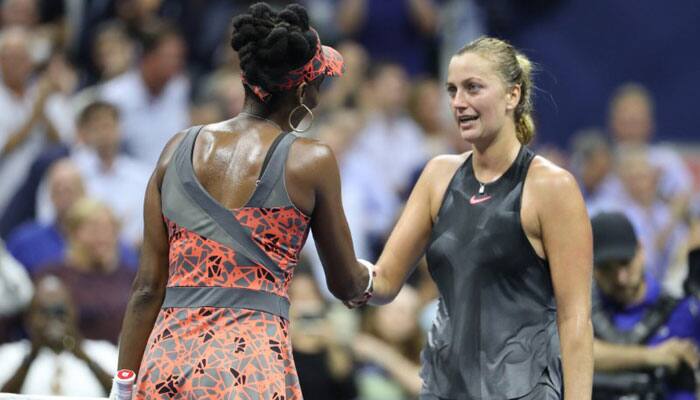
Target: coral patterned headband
327	61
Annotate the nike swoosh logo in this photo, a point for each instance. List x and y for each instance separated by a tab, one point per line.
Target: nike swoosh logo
476	200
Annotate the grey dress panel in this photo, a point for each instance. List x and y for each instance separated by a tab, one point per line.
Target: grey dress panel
495	332
226	297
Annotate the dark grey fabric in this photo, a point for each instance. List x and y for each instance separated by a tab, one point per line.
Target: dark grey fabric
225	297
495	331
272	191
545	389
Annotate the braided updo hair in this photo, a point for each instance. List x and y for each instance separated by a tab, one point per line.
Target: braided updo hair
515	69
271	44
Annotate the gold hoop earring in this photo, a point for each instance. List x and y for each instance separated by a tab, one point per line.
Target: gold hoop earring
296	128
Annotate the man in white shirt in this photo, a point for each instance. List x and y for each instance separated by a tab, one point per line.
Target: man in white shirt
31	115
117	179
153	99
56	361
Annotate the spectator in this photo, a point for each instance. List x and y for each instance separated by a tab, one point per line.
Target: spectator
592	162
389	350
106	171
56	360
426	97
321	349
631	122
92	270
36	244
152	99
660	226
33	115
25	14
113	51
637	326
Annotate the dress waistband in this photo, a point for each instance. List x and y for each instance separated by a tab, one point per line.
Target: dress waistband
225	297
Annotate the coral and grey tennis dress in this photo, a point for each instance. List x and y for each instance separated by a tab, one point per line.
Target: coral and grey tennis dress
495	334
222	332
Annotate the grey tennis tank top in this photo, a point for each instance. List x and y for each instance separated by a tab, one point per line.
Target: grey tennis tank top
495	331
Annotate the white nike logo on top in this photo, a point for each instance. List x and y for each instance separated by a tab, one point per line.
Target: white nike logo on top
476	200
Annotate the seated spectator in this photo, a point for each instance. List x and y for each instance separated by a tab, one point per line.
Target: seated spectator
36	245
56	360
92	270
389	350
321	348
660	226
648	338
106	171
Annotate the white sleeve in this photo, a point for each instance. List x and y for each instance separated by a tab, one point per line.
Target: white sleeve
104	353
16	287
12	355
59	111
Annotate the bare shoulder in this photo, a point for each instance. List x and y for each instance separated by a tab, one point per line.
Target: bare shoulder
550	184
311	154
169	149
443	164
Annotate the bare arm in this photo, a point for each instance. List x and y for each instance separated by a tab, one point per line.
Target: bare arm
346	278
148	289
407	241
611	357
567	240
401	369
36	116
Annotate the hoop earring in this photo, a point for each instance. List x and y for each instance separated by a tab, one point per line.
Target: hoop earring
296	128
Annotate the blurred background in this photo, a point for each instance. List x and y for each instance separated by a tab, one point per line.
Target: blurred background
91	90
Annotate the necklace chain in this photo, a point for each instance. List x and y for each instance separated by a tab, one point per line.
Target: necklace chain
262	119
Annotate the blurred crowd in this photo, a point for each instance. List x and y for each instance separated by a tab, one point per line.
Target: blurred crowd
90	92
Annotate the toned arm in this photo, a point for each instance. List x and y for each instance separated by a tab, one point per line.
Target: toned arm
148	289
346	278
566	238
410	236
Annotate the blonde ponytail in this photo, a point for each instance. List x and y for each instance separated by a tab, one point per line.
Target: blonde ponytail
525	128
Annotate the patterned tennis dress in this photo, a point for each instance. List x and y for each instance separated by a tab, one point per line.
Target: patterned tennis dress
222	332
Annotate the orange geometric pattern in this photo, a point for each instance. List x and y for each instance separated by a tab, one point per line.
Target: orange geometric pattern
281	232
217	353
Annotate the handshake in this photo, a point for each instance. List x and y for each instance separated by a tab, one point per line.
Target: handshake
369	290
